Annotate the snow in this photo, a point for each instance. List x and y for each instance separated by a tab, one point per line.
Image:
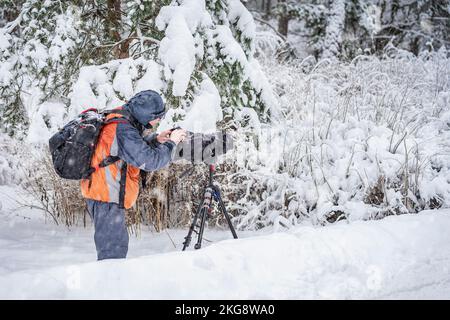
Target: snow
191	39
6	174
239	15
151	80
46	119
123	80
5	39
178	49
109	85
332	39
403	256
204	111
64	33
8	163
228	45
91	79
105	86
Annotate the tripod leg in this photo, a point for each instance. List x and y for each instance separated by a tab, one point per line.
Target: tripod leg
203	214
225	213
188	238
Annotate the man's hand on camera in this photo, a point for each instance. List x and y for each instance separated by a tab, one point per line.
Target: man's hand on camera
178	135
163	136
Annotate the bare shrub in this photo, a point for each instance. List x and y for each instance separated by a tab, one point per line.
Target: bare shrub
375	194
59	198
172	196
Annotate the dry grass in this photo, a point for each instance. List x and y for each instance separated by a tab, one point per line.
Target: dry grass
59	198
168	201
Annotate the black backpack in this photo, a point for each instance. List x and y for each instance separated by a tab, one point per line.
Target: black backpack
73	146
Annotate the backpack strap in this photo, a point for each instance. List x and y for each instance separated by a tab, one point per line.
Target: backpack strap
123	182
118	111
123	177
143	175
107	161
104	163
125	115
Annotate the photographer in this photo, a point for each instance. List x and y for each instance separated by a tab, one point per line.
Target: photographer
113	188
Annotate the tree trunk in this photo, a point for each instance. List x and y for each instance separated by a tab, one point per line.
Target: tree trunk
332	40
267	9
114	23
114	19
283	20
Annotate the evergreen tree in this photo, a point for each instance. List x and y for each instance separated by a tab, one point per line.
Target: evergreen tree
42	53
46	45
414	25
141	16
50	41
331	43
9	10
346	28
231	73
360	27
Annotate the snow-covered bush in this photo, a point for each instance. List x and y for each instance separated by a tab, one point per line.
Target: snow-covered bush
40	63
6	171
360	140
10	156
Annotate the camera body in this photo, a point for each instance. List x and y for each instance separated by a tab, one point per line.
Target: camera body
203	148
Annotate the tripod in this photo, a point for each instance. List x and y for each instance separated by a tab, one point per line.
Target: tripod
204	209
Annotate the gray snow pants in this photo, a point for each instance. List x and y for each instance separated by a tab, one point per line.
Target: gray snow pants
111	235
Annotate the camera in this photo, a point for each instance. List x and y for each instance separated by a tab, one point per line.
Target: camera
203	148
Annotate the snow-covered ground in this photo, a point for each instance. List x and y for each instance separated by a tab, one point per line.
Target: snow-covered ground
405	256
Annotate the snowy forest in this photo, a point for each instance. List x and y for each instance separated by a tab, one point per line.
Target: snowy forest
340	117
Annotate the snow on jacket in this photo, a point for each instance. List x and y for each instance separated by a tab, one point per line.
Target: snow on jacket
124	140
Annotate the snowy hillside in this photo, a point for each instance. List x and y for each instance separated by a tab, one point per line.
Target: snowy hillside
405	256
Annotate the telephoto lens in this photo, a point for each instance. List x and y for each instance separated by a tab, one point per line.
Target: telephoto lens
203	148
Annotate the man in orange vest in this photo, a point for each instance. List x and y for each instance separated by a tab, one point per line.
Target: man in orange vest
114	186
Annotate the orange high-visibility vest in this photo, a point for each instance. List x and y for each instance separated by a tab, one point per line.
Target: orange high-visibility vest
104	183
